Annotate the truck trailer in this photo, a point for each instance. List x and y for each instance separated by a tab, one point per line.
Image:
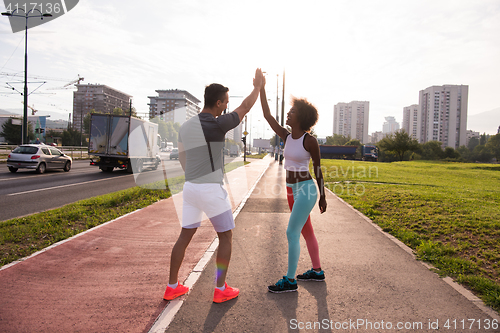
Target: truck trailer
368	153
338	152
123	142
234	150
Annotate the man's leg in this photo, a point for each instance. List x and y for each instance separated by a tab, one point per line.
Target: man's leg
223	256
178	252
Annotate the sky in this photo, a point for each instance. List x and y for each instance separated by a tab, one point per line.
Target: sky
383	52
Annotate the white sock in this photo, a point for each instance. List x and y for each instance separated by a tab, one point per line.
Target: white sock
222	288
173	286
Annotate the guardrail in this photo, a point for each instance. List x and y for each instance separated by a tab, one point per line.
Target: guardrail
76	152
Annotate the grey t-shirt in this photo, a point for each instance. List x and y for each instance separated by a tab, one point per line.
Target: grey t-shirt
203	137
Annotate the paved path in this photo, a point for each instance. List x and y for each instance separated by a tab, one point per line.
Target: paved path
112	278
372	281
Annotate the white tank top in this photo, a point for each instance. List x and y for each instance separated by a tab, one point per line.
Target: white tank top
296	157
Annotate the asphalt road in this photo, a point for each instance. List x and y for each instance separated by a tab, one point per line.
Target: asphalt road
26	192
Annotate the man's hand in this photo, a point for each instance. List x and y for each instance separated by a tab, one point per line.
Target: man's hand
258	81
249	101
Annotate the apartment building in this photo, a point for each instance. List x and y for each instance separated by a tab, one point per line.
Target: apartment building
236	133
443	115
351	120
390	125
98	97
173	105
471	134
410	120
376	137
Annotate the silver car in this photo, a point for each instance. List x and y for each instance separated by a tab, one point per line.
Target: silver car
174	153
38	157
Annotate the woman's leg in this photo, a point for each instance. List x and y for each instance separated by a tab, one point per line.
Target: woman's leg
304	197
308	233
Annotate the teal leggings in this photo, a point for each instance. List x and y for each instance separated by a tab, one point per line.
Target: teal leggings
305	195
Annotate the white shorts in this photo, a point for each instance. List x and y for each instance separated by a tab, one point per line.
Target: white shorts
210	199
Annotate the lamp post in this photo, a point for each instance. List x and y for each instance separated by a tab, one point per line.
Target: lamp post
25	94
282	116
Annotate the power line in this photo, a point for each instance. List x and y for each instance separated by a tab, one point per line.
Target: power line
12	53
20	74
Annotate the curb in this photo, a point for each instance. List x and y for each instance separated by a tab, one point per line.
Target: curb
168	313
459	288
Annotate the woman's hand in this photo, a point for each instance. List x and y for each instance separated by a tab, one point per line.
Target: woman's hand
322	204
258	81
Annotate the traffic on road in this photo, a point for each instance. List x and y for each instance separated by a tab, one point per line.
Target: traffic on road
26	192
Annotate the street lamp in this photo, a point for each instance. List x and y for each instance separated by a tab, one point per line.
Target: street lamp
25	94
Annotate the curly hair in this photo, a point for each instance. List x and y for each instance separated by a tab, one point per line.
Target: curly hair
307	115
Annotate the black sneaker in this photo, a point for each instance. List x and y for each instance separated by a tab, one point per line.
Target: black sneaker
283	286
311	275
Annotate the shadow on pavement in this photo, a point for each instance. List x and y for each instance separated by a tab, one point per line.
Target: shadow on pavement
216	313
319	290
287	304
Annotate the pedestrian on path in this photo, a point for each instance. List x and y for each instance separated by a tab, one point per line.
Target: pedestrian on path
302	193
201	142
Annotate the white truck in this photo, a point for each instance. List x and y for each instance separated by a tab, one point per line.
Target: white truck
123	142
234	150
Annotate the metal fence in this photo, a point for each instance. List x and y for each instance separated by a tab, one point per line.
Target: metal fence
76	152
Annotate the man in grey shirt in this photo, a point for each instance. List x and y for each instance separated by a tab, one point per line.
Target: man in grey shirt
201	141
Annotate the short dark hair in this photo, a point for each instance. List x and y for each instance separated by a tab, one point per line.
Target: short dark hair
213	93
307	115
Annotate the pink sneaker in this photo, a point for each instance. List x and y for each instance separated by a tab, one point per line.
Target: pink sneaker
172	293
226	295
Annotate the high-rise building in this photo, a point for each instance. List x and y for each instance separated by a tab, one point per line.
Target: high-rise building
351	120
471	134
390	126
97	97
173	105
376	137
410	120
443	115
236	133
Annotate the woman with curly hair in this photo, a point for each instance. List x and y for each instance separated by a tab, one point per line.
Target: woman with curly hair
302	192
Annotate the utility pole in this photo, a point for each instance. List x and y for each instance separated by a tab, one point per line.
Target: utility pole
277	116
26	16
282	116
245	142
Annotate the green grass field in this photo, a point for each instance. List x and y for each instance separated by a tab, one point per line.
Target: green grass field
448	213
21	237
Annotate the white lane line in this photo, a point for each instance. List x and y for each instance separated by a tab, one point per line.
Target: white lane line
61	186
44	175
167	315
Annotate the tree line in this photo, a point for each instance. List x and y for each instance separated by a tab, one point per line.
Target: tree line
400	146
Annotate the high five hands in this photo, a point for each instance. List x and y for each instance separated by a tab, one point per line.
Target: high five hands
259	80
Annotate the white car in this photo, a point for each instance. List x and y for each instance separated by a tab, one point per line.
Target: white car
38	157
